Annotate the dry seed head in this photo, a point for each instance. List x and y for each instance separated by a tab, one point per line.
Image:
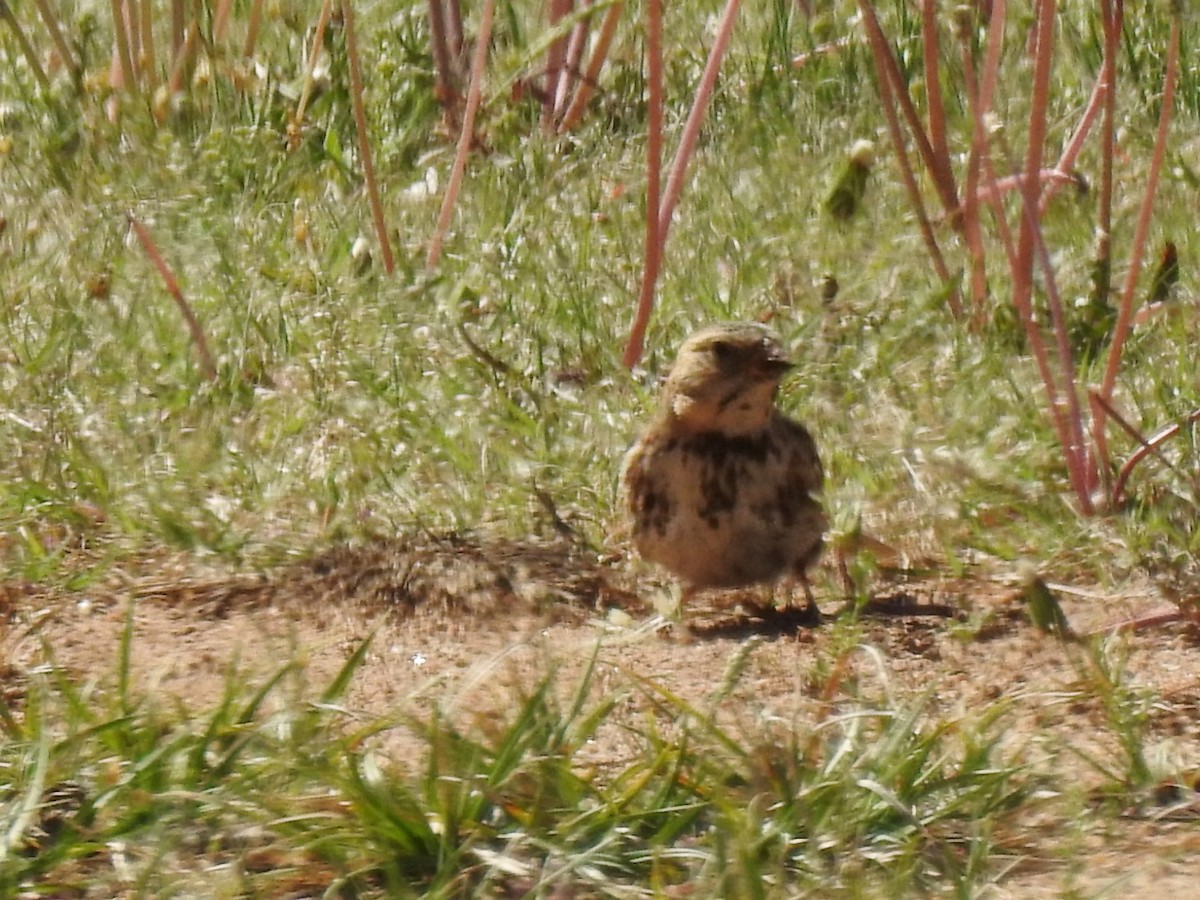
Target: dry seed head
862	154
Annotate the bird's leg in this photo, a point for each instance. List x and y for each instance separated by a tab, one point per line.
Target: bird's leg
689	592
678	624
811	610
669	604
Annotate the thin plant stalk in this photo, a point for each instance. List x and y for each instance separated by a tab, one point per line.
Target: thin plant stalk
1141	233
182	55
1043	177
654	140
444	79
893	94
314	51
116	81
829	48
933	94
1023	272
887	68
1138	437
1113	14
1033	334
991	59
252	28
466	135
221	20
454	30
887	96
979	94
364	141
50	18
691	129
1071	424
128	79
1102	264
178	23
1066	162
579	101
981	105
172	284
971	224
27	50
1030	244
133	28
571	65
987	93
149	60
556	57
1148	446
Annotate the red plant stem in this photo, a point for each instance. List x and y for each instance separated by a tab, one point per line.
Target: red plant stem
991	60
466	136
1113	14
579	102
1071	426
1002	229
133	28
1023	275
1112	413
1031	243
654	141
914	191
987	93
252	28
1033	334
1149	445
179	65
889	69
364	140
1149	620
942	172
972	227
172	285
570	74
1015	182
439	41
1141	232
827	49
149	61
555	57
691	129
221	20
318	41
177	26
454	31
981	159
1102	263
121	36
1070	153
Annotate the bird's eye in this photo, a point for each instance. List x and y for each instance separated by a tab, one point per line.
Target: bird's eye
723	350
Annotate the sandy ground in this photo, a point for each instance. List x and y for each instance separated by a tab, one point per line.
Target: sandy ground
465	625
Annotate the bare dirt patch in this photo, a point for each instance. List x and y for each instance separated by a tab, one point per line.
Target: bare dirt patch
467	624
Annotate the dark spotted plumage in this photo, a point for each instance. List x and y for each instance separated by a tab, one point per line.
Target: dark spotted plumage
721	485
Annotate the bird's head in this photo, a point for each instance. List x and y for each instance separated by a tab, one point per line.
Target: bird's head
725	379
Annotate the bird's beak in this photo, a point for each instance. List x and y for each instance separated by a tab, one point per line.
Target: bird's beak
773	366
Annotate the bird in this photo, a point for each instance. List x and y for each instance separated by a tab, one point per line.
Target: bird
721	486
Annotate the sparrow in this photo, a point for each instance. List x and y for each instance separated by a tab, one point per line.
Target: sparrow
720	486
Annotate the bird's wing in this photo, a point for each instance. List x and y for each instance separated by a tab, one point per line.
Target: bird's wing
636	478
804	464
